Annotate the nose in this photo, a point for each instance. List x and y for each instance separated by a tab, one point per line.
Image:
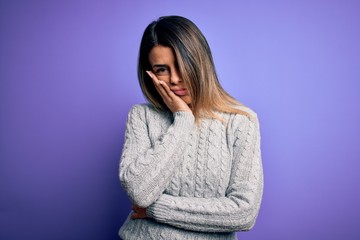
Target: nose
175	77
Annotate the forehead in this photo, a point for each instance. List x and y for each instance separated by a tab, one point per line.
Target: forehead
161	55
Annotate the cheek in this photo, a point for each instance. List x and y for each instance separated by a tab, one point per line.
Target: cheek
165	79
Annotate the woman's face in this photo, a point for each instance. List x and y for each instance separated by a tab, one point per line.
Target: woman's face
164	66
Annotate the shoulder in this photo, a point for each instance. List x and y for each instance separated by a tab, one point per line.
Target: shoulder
247	110
141	109
137	113
245	114
244	120
146	111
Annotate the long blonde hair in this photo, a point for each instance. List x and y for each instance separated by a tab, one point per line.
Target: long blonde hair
195	64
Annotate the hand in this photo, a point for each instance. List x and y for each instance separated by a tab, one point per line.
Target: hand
172	101
138	212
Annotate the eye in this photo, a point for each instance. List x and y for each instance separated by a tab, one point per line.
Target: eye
161	71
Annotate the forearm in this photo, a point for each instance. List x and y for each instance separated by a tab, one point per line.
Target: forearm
146	171
225	214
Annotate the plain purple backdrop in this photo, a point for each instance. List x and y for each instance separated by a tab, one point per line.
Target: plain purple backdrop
68	79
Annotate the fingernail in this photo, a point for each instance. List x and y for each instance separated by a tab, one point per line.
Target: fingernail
148	72
161	82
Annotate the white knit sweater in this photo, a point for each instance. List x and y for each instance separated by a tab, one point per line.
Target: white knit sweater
197	182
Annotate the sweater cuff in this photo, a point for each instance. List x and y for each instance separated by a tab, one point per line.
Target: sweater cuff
184	119
159	210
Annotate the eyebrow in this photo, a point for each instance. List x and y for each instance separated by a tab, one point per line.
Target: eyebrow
159	65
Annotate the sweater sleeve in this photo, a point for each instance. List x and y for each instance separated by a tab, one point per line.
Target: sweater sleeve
145	168
238	209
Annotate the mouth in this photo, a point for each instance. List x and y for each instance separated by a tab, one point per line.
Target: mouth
180	92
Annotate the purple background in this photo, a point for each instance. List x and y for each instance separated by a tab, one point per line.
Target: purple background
68	79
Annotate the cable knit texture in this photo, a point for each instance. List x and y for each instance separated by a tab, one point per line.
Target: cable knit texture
197	181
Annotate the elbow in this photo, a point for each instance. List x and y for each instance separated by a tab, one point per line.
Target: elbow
249	211
140	200
246	224
137	196
247	217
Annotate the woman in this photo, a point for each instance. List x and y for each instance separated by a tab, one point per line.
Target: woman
191	162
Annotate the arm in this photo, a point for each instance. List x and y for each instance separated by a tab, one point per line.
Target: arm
238	209
146	170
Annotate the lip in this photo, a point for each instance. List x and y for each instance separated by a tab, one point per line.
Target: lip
180	92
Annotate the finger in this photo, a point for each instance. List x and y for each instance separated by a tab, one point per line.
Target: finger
135	216
169	93
138	215
135	208
165	94
158	84
154	79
